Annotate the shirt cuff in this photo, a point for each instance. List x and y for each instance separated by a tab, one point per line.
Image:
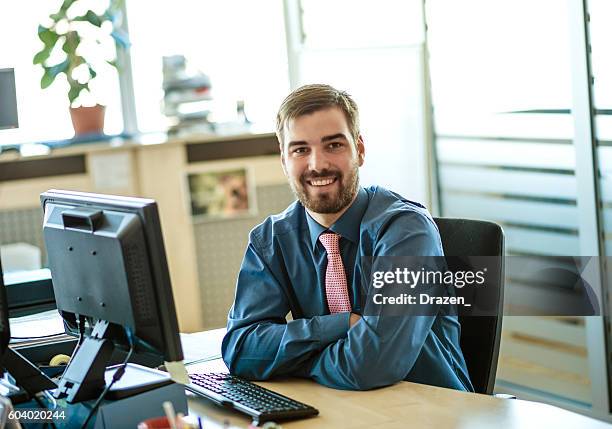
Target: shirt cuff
333	327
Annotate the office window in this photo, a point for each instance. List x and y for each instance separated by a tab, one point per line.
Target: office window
601	63
501	68
501	77
239	44
361	23
380	62
43	114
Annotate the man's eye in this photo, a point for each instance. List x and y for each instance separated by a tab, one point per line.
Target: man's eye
300	150
335	145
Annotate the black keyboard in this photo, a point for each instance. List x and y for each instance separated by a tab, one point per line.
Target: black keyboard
258	402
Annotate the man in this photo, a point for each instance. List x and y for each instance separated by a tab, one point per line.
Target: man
308	261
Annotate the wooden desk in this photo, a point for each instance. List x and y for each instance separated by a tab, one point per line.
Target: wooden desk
404	405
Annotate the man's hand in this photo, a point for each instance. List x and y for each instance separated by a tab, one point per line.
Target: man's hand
354	319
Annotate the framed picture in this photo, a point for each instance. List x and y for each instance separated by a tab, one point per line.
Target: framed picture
221	194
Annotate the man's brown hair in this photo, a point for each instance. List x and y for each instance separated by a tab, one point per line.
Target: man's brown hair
312	98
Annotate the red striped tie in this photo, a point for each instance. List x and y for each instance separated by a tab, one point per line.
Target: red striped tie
335	278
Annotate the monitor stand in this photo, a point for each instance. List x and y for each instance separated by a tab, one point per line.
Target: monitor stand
84	376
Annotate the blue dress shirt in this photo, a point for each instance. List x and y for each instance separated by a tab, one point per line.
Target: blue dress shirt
283	271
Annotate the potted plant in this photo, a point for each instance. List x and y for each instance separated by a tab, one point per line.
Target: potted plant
80	43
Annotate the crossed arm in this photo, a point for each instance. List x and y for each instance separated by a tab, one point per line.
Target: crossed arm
342	350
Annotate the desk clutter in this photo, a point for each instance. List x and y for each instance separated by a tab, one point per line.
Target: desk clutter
112	290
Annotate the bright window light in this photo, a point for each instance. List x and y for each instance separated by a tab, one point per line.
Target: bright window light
239	44
43	114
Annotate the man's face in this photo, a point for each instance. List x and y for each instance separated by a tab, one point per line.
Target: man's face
321	160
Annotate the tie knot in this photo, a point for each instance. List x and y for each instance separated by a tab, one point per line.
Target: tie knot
331	242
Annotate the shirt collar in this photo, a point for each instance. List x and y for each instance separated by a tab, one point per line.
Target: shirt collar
347	226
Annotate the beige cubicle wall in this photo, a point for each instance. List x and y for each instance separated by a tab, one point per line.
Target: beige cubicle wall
202	279
221	242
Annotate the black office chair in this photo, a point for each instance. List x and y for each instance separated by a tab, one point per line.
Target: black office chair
480	335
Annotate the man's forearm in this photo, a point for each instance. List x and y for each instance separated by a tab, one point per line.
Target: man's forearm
260	350
378	351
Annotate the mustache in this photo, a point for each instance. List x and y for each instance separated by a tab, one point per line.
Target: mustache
323	173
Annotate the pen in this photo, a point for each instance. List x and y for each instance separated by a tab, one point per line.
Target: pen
170	414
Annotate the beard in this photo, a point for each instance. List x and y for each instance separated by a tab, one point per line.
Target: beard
327	202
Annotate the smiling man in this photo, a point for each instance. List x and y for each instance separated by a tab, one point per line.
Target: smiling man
308	260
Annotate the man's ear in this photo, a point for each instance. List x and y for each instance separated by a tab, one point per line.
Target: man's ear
360	150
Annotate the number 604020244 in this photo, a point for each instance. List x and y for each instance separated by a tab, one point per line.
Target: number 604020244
33	415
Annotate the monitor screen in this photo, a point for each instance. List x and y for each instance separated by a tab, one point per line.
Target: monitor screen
8	99
108	263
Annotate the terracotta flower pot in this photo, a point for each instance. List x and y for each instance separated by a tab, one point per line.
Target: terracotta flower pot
88	120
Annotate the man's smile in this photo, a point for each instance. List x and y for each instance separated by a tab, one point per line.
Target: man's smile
322	181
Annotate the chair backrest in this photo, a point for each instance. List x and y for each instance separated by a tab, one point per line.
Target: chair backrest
480	335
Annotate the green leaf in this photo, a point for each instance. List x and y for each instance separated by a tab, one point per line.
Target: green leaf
47	79
48	36
61	13
92	73
42	56
90	17
71	43
121	39
58	68
113	63
56	17
75	91
52	72
66	4
93	18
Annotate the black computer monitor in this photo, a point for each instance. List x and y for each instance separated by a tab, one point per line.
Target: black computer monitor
108	264
8	99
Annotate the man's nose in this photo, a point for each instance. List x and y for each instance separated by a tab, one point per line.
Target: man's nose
318	160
